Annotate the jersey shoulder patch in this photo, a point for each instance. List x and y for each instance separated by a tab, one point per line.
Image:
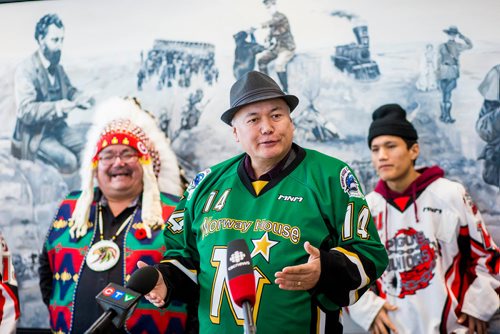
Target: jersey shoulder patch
349	183
196	181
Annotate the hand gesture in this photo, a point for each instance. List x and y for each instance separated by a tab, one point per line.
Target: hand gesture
301	277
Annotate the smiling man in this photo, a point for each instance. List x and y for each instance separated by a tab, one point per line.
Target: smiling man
99	234
443	265
313	244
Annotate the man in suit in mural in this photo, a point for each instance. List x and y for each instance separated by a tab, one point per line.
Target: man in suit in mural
443	265
44	97
449	68
488	126
99	234
282	44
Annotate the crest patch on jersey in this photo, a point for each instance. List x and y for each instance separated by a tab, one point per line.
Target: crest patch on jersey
349	184
196	181
412	260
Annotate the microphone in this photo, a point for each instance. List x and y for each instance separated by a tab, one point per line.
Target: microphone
241	280
117	301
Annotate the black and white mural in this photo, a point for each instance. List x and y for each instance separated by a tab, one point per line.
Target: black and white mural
439	60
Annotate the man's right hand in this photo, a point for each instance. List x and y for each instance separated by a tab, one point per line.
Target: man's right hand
159	293
63	107
382	324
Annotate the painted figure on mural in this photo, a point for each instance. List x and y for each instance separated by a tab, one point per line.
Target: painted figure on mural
427	79
44	98
449	68
245	52
191	113
281	44
488	126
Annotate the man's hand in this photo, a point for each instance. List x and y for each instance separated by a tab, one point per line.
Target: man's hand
62	107
84	101
159	292
475	325
382	324
301	277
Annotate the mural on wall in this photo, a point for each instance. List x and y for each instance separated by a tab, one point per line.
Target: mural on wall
180	59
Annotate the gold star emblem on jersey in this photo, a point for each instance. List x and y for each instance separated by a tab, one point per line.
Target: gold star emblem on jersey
263	246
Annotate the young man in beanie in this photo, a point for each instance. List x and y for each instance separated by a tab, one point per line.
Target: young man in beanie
313	244
443	266
100	233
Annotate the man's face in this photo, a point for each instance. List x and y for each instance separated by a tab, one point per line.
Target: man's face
52	43
391	158
265	130
119	178
271	8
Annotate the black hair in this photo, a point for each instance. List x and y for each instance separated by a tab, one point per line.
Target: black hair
43	24
409	144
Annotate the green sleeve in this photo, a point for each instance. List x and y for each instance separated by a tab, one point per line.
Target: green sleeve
355	256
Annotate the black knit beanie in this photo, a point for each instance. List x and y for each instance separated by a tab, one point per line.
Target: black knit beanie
390	119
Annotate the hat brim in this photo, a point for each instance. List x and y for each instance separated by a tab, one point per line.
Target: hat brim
291	100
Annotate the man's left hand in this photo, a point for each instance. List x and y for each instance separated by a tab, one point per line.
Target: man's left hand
301	277
475	325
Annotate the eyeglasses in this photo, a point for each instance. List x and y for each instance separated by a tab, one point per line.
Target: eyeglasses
108	159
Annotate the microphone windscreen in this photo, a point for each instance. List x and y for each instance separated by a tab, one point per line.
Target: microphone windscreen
143	280
240	272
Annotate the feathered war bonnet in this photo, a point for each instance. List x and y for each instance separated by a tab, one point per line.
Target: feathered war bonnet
122	121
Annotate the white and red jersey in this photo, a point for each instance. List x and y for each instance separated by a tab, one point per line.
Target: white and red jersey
9	301
442	261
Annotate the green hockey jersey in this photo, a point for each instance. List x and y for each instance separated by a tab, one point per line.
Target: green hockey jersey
315	198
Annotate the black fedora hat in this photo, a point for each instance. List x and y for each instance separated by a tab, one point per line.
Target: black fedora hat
254	87
452	30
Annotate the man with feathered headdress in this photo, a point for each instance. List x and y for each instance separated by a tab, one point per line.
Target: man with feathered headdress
100	233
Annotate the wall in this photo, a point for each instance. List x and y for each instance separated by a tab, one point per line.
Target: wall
102	51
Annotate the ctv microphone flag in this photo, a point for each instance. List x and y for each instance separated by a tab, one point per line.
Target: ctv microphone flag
241	280
118	301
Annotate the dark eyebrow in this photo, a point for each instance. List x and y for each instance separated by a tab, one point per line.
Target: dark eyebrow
387	142
125	150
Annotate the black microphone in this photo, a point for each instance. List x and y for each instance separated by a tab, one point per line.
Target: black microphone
117	301
241	280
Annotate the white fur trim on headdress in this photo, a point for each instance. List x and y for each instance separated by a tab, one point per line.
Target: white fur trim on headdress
167	180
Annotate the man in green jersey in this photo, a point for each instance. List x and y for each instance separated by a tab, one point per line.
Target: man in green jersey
312	240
